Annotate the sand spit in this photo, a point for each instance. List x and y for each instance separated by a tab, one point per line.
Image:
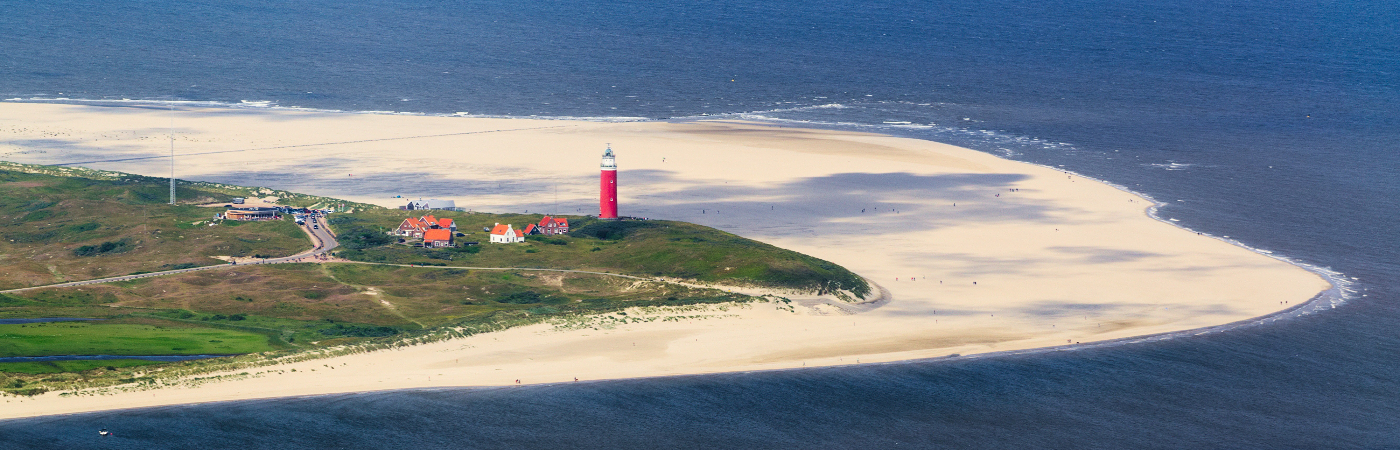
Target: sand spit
978	254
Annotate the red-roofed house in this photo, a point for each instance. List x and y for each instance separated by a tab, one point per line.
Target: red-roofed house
440	237
505	234
411	227
416	227
550	226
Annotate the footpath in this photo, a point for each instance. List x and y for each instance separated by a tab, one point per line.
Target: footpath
322	241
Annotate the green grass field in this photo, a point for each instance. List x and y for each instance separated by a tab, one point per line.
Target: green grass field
55	229
303	303
43	367
643	248
69	224
83	338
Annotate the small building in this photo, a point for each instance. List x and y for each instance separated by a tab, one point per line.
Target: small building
431	203
253	213
437	238
411	227
505	234
550	226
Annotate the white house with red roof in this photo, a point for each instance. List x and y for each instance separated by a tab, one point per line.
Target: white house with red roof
505	234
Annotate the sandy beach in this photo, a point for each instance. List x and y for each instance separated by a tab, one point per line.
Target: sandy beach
978	254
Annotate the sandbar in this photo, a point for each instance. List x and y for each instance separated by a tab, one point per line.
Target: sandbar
977	253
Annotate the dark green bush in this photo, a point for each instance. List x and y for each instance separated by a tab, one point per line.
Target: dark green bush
611	230
84	227
104	248
359	331
521	298
360	238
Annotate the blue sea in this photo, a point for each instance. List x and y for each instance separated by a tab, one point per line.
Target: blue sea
1275	123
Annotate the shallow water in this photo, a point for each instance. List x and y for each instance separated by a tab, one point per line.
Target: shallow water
1274	124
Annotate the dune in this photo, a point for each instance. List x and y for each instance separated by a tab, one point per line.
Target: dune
976	253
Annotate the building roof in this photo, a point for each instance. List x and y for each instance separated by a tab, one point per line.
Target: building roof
500	229
558	221
437	235
529	228
428	221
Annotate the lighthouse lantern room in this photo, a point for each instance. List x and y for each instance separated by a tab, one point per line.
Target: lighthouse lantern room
607	195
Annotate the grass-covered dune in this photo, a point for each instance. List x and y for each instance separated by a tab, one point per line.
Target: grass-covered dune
67	224
295	302
653	248
67	228
292	307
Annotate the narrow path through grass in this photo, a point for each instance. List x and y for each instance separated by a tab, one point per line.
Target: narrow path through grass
370	292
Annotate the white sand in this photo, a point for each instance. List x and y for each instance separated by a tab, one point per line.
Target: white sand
1062	259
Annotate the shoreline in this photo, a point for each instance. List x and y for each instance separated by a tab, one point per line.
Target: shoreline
1292	312
1035	276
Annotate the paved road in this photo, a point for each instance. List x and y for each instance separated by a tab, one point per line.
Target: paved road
321	239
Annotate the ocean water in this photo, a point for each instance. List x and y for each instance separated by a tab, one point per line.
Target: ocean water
1274	123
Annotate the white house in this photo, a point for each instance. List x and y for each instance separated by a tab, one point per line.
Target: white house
505	234
431	203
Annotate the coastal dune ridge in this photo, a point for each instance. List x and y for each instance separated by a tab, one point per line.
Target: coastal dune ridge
978	254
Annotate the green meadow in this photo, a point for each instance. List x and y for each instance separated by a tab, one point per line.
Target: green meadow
647	248
86	338
44	367
70	224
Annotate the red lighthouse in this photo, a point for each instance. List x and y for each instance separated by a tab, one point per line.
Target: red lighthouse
607	187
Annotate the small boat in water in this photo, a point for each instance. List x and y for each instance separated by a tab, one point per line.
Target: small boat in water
104	433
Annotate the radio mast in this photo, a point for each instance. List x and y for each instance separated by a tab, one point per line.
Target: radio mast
172	154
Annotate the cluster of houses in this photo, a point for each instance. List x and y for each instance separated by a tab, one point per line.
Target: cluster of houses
437	232
433	231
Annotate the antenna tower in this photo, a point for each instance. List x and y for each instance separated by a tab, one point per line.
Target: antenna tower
172	154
